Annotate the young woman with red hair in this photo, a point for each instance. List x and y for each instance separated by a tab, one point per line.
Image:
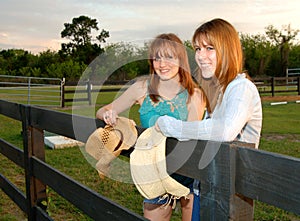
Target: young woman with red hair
169	90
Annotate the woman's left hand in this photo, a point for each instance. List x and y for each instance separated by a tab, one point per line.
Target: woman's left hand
110	117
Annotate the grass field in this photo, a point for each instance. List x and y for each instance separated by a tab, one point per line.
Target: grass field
280	133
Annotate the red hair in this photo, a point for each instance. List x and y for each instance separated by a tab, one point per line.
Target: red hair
225	40
169	45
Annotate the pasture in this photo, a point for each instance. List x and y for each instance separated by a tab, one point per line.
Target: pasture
280	133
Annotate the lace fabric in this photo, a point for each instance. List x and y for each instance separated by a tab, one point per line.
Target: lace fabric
176	107
171	200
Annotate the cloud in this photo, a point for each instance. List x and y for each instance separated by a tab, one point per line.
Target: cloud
34	24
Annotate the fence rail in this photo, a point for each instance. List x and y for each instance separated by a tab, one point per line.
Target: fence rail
278	85
236	175
54	91
86	91
270	85
31	90
39	174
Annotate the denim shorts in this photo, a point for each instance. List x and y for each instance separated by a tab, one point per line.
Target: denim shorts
186	181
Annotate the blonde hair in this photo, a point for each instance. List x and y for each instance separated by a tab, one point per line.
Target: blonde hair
167	45
226	42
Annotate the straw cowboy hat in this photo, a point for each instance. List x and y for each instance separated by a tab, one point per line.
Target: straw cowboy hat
105	144
149	171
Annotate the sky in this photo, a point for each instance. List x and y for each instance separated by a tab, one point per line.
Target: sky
35	25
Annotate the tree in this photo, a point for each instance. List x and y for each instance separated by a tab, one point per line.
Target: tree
120	62
258	52
294	57
81	45
15	59
191	57
283	39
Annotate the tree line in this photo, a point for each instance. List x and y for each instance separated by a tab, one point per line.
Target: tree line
84	56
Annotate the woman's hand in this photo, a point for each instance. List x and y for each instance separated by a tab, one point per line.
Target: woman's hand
110	117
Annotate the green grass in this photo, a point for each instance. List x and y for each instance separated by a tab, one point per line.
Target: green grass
281	119
280	134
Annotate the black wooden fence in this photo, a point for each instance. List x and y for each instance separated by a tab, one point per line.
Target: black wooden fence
86	91
236	175
277	85
265	85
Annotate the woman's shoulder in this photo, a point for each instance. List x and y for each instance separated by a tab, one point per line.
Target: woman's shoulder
140	84
241	79
138	90
198	92
198	95
242	83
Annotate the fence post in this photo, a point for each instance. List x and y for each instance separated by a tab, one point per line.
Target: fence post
28	90
298	85
273	86
219	200
33	142
214	164
62	93
89	88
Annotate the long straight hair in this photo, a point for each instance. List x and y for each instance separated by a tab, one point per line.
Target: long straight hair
225	40
169	45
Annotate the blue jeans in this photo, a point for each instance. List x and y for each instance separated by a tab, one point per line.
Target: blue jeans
196	208
196	203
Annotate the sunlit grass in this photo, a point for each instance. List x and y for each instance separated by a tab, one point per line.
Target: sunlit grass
280	134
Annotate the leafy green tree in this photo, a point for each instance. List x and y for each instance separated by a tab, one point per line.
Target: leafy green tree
25	71
15	59
294	57
191	57
71	70
283	39
257	52
45	59
36	72
120	62
79	34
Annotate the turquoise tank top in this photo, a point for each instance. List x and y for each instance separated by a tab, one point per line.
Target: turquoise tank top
176	107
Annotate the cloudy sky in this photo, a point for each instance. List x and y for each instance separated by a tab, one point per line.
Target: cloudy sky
35	25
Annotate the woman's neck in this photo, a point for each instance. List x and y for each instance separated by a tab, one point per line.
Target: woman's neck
169	88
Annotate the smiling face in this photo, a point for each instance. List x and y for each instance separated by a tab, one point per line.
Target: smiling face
166	65
168	60
206	58
219	51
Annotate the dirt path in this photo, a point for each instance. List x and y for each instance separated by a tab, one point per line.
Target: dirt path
290	137
281	98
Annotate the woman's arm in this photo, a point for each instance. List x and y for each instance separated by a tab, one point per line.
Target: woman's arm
196	106
133	94
227	120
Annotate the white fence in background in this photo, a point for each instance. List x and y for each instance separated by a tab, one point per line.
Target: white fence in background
31	90
292	72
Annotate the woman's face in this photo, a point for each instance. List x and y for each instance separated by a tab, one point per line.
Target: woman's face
206	58
166	67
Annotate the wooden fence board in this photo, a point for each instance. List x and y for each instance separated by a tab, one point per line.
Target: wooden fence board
217	173
90	202
10	110
269	177
229	172
13	192
72	126
11	152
